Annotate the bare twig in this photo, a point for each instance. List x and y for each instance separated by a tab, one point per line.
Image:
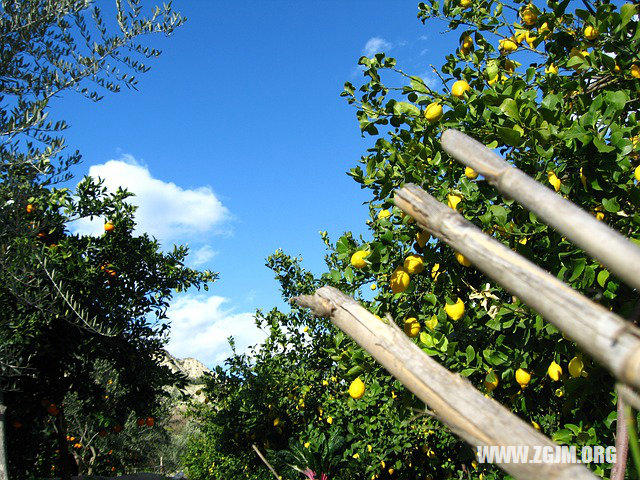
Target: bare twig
275	474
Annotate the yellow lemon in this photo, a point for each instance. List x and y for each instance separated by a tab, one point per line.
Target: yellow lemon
552	69
530	38
306	444
529	15
554	181
453	200
635	70
576	367
356	389
455	311
523	378
369	448
544	29
467	42
462	260
459	88
433	112
464	51
535	425
357	259
432	323
636	173
465	3
414	264
491	386
508	45
422	238
435	271
554	371
583	178
373	286
276	422
384	214
590	32
520	37
400	280
329	420
412	327
470	173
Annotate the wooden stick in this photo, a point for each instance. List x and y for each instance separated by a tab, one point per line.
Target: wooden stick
605	336
264	460
622	443
617	252
477	419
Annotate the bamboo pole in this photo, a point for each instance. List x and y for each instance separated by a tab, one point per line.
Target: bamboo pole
615	251
479	420
605	336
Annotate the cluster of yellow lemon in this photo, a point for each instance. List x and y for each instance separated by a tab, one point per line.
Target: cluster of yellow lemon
401	276
356	389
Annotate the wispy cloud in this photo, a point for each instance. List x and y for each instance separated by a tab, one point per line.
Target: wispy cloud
201	325
165	210
202	255
375	45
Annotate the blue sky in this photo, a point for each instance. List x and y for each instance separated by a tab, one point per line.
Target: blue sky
238	142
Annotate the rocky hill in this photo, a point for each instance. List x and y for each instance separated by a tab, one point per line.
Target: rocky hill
193	369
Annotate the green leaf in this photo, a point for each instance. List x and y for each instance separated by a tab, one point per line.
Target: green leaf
616	99
354	371
602	278
405	108
578	268
562	436
471	354
499	214
627	11
510	136
431	298
611	205
510	108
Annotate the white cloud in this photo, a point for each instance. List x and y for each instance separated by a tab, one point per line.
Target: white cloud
165	210
200	327
202	255
375	45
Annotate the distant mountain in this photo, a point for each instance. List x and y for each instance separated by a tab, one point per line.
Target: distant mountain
193	369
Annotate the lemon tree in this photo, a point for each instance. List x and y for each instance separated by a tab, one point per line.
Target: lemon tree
553	87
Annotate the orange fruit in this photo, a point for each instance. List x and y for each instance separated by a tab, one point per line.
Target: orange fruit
140	422
30	208
150	422
109	226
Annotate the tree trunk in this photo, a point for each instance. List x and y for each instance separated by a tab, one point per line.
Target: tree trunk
65	470
4	470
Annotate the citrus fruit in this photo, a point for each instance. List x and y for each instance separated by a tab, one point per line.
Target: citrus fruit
433	112
529	15
462	260
140	422
400	280
435	271
576	367
455	311
30	208
109	226
422	238
276	422
150	421
453	200
412	327
508	45
467	43
552	69
554	181
635	70
357	259
465	3
356	389
489	384
523	378
470	173
636	173
384	214
554	371
459	88
414	264
590	32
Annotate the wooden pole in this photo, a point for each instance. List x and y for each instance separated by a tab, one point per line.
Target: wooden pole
605	336
615	251
4	470
477	419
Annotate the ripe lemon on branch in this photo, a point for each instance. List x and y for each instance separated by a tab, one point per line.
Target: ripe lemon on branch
412	327
459	88
400	280
455	311
523	378
554	371
414	264
357	259
433	112
356	389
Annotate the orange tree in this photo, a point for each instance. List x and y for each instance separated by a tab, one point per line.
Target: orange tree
76	310
554	89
